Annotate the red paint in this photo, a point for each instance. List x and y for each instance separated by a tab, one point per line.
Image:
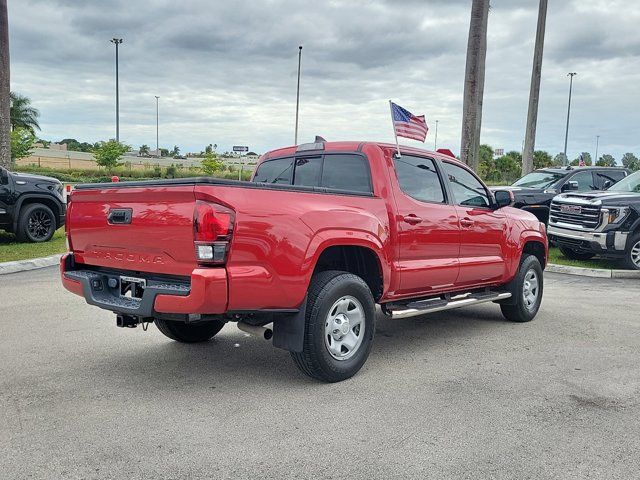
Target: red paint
278	237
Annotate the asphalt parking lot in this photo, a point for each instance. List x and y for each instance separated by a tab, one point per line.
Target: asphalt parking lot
460	394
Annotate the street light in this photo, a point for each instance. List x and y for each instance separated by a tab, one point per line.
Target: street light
595	160
298	93
566	135
157	126
117	41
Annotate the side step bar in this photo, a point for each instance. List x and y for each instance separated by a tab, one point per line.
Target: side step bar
439	304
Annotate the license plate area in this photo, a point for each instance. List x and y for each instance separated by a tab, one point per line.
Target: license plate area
132	287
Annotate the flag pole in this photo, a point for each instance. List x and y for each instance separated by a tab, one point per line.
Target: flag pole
394	127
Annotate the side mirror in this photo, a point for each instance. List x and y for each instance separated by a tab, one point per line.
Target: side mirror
504	198
606	184
570	185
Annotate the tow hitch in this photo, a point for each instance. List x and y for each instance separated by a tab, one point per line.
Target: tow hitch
130	321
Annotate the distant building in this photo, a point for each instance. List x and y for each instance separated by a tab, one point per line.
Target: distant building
58	146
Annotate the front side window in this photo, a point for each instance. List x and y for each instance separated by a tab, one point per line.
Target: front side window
279	170
467	189
584	180
419	178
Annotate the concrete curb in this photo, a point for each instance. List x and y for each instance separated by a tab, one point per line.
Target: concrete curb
31	264
592	272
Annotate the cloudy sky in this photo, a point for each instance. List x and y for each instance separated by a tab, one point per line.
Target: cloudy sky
225	71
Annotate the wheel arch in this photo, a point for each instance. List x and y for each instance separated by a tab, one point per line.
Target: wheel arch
359	255
29	199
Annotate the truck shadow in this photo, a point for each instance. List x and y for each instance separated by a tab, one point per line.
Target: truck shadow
235	360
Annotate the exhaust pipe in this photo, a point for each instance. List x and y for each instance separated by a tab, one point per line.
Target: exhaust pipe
256	330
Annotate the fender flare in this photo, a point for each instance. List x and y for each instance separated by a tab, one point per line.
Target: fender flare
346	238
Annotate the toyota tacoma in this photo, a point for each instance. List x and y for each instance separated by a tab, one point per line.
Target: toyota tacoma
303	253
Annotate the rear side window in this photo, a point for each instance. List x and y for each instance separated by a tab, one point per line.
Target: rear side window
279	170
419	178
335	171
611	176
308	171
346	172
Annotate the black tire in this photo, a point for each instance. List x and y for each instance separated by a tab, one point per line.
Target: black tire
189	332
518	309
36	223
575	254
632	251
326	289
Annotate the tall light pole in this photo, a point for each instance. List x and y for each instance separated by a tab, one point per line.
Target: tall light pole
157	126
566	134
298	93
595	160
435	140
117	41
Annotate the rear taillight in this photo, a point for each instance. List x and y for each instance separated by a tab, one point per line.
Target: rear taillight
212	230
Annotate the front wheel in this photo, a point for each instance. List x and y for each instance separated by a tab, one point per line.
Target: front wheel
36	223
189	332
526	289
339	327
632	254
575	254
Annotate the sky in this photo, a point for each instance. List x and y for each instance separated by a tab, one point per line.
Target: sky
226	71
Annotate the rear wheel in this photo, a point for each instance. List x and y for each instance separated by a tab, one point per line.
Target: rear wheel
632	254
526	289
36	223
339	327
189	332
576	254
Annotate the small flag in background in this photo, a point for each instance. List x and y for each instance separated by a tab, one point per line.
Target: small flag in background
408	125
581	163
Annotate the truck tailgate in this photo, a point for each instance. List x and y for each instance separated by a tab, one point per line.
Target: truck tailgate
139	229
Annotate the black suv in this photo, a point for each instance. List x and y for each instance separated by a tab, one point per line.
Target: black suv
599	223
534	191
31	206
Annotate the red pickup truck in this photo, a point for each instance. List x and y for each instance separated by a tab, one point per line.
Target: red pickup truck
322	233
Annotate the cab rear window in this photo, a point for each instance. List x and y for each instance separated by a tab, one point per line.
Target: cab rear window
339	171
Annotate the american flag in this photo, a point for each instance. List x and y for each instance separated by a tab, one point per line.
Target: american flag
582	163
407	124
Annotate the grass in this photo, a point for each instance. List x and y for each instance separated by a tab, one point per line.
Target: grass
11	249
556	257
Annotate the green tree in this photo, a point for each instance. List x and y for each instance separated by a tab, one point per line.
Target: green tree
559	160
211	164
108	154
630	161
164	152
208	149
509	166
606	160
176	151
76	146
23	115
541	159
22	141
486	165
144	150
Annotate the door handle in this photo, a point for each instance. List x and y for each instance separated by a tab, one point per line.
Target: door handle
466	222
412	219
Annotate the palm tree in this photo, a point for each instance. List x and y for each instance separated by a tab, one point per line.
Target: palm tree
23	115
534	93
474	83
5	102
